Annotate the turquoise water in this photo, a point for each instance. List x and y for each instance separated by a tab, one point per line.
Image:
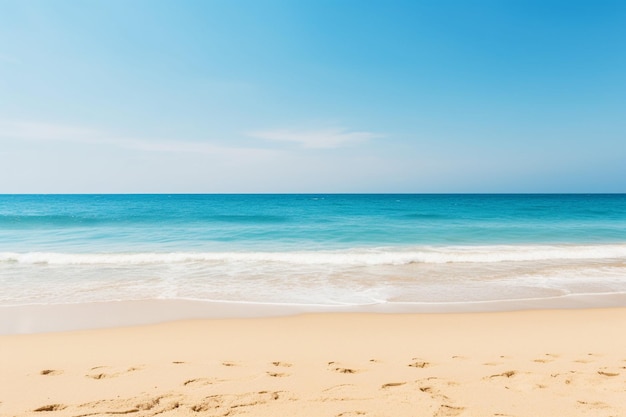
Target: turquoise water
310	249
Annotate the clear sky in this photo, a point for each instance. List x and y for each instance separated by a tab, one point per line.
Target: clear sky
312	96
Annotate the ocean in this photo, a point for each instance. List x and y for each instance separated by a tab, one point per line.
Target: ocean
318	250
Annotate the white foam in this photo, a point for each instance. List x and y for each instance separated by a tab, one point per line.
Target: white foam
353	257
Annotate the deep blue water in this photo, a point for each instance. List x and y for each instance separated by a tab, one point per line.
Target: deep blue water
136	223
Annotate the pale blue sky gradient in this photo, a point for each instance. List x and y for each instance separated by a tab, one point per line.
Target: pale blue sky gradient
312	96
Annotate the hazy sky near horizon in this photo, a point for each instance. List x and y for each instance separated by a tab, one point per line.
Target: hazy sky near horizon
153	96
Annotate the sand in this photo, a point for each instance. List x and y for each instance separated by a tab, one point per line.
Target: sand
526	363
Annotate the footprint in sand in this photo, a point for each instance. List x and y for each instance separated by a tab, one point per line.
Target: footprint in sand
342	370
595	404
133	405
209	403
199	382
429	386
449	411
419	363
113	374
99	376
392	384
607	373
346	370
335	367
50	407
277	374
229	402
282	364
507	374
50	372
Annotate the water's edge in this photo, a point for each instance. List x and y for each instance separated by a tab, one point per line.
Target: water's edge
26	319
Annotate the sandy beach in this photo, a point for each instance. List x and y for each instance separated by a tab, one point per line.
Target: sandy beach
312	208
527	363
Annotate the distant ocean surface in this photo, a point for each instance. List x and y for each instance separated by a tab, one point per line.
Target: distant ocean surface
324	250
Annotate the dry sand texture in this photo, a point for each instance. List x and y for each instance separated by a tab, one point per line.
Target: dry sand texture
533	363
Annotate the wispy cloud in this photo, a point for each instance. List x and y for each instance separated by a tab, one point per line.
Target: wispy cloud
36	131
50	132
316	139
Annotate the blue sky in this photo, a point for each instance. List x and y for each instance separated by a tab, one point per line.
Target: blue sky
312	96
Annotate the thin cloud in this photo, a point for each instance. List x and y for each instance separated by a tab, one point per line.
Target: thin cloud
35	131
316	139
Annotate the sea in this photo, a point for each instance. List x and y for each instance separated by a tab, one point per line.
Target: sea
310	249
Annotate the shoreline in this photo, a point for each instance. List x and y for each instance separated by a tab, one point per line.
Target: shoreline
518	363
24	319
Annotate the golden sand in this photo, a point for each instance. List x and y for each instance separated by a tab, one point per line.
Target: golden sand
528	363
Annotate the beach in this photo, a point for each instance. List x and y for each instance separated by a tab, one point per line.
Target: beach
312	208
519	363
312	305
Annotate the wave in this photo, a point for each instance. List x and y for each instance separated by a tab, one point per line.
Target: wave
353	257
